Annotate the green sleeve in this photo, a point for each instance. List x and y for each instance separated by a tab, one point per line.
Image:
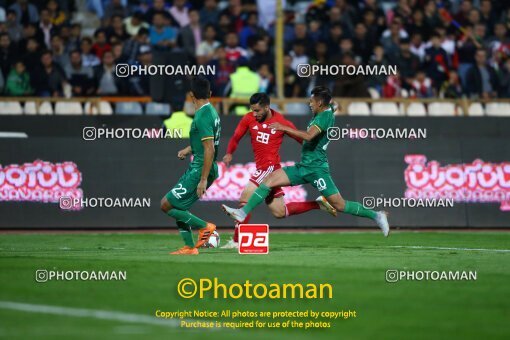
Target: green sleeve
321	122
205	126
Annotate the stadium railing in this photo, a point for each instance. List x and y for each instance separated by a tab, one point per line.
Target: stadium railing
293	106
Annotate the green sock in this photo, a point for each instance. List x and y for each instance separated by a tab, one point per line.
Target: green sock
259	195
357	209
187	218
186	233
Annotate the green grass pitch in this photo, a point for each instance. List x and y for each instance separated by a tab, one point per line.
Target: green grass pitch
354	263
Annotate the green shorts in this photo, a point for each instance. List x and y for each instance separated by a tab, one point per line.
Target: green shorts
319	178
184	193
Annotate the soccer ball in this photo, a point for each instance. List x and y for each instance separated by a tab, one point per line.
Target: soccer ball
214	241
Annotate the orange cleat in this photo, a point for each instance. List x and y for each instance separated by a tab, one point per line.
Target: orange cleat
204	234
186	250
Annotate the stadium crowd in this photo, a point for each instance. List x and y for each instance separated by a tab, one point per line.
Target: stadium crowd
445	48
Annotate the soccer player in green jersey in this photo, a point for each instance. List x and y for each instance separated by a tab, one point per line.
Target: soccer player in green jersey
313	167
202	171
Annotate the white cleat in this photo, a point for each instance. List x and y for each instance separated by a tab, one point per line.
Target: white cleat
382	221
324	205
230	245
237	214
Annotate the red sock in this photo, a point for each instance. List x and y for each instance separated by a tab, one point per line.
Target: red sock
296	208
246	220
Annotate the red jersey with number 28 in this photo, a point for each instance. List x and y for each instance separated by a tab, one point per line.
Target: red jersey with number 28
265	142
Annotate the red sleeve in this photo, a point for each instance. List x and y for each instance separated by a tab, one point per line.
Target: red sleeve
238	134
290	124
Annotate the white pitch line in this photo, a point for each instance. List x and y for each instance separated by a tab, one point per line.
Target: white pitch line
88	313
450	248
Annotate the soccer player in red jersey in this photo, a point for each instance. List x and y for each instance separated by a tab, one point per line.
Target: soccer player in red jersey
266	144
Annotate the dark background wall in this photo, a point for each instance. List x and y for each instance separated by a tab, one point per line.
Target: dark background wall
149	168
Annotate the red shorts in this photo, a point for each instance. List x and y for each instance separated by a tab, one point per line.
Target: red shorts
258	176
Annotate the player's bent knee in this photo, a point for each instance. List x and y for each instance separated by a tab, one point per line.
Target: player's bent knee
165	205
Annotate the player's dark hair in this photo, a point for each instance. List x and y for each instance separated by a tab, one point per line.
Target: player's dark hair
260	98
322	93
201	88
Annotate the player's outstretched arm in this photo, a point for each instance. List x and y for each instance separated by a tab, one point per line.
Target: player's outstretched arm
292	126
206	168
308	135
184	152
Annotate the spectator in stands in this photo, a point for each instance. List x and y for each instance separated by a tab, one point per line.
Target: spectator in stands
499	45
14	28
107	82
234	12
158	7
179	12
224	68
191	34
101	44
225	26
32	31
140	84
74	37
49	78
98	6
7	54
419	25
451	88
266	79
298	55
116	8
481	79
334	37
89	58
261	55
463	14
431	14
81	78
249	30
3	14
118	56
436	61
467	44
422	85
504	89
18	81
162	36
60	56
233	50
46	27
349	85
116	31
2	83
57	16
132	46
407	63
390	39
209	14
378	59
291	86
488	17
318	10
32	56
134	23
205	50
362	46
393	87
25	12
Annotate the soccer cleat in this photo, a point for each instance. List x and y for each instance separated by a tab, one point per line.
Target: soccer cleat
186	250
382	221
231	245
204	234
237	214
324	205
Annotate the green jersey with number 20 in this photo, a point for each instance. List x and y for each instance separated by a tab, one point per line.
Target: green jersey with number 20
313	153
206	125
